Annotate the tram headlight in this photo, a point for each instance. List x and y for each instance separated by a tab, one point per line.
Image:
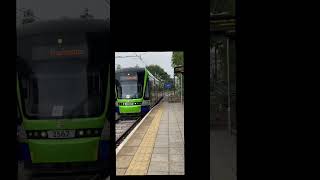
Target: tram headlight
96	132
81	132
88	132
36	134
43	134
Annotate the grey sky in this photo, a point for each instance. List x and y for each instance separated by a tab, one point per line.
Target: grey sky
53	9
163	59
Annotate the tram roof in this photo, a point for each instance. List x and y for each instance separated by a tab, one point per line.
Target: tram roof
130	69
64	25
136	69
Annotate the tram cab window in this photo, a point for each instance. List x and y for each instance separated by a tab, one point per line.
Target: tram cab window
55	83
129	90
78	93
129	85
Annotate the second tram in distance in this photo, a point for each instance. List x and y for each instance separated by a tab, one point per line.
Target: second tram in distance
137	91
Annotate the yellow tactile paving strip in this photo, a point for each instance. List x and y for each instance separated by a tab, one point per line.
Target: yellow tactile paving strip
141	159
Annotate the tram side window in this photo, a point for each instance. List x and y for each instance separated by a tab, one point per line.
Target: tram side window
140	84
147	93
160	86
140	90
157	90
151	89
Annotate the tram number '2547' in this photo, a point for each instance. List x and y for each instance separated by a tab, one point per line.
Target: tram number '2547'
61	134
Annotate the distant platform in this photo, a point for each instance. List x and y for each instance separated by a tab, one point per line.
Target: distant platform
157	145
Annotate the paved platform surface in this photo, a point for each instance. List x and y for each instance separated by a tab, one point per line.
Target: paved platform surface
157	146
223	151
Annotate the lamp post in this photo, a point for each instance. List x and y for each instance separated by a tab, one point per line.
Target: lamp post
179	70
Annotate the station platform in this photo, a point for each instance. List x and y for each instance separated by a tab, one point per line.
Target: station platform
156	147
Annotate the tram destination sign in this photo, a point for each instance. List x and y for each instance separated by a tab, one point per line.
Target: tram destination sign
128	76
47	52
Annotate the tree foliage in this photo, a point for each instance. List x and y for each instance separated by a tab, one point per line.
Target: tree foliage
159	72
177	59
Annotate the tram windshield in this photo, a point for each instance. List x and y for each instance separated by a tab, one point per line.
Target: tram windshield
129	85
129	90
68	90
67	86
